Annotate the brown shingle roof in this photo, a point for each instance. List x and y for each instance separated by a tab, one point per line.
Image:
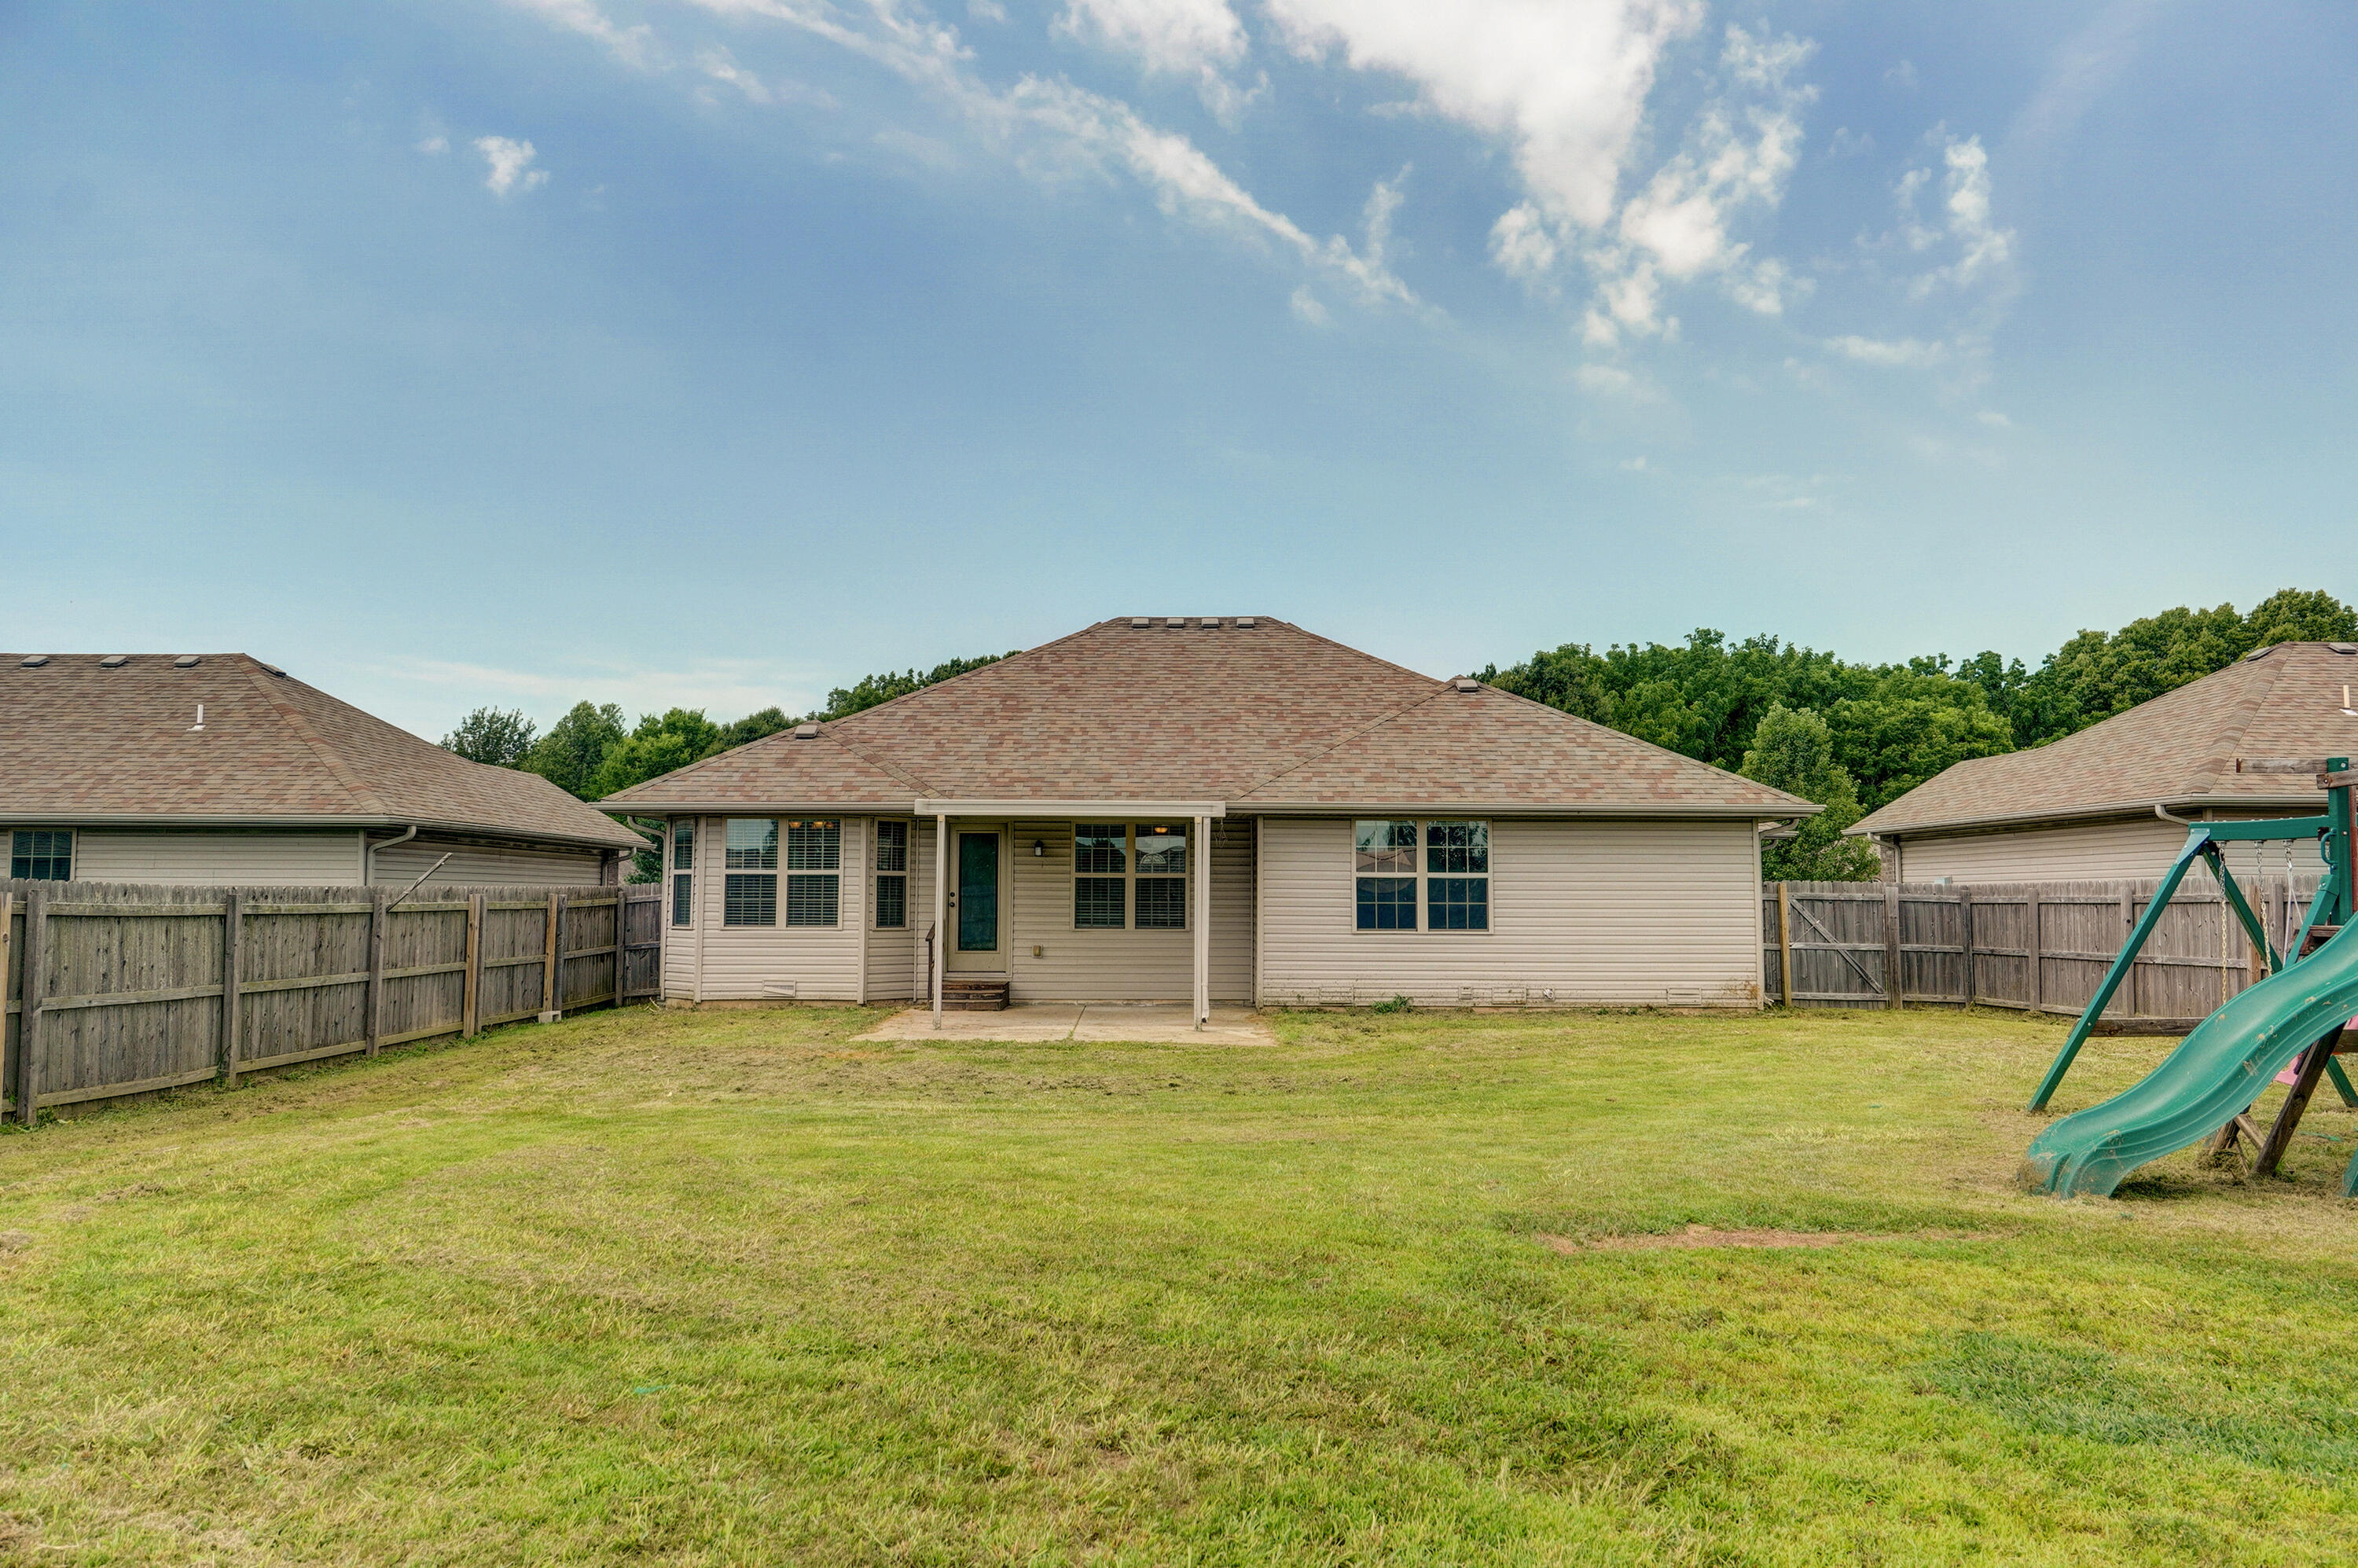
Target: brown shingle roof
1248	715
2180	749
83	744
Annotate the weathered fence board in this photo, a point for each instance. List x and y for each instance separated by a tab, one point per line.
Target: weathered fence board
2041	946
133	988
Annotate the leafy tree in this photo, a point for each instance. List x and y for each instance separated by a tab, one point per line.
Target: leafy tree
1793	750
870	691
497	736
752	727
656	747
571	754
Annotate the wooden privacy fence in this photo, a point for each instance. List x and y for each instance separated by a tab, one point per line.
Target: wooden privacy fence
2041	946
117	989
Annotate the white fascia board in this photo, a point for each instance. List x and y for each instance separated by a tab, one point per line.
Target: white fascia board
924	806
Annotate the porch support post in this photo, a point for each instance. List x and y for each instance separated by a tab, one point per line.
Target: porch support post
1202	921
941	908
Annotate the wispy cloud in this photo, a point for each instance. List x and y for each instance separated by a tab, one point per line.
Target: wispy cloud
510	164
1900	351
724	688
634	45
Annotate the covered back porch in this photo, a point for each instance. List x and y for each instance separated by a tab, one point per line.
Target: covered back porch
1089	902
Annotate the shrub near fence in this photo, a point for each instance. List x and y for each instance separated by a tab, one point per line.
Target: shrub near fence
2041	946
117	989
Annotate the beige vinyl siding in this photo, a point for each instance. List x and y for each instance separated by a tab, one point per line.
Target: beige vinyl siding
680	951
472	865
324	859
1122	966
771	963
2139	848
1599	913
895	963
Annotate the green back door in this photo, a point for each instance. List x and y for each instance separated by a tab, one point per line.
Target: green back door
977	922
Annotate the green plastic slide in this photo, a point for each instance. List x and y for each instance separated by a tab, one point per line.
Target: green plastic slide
2214	1074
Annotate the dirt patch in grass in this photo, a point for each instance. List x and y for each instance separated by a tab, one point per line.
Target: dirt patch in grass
1704	1235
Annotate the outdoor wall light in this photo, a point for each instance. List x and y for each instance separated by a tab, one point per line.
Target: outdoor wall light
1039	849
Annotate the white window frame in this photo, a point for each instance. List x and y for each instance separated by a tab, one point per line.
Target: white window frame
732	869
1130	876
826	867
1424	876
899	874
681	882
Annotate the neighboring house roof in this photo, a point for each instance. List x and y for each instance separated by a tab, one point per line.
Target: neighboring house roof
89	744
1261	716
2179	750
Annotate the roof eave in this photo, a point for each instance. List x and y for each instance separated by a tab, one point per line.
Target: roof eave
1868	828
316	822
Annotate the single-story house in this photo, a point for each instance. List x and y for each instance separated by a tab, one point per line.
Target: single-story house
217	768
2091	805
1171	808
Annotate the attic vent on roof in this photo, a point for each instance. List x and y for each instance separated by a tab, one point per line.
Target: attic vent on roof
185	662
274	669
1211	623
2343	647
1141	623
35	661
2259	653
113	661
1463	685
1176	623
1244	622
805	732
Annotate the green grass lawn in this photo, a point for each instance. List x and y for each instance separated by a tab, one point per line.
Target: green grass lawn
729	1287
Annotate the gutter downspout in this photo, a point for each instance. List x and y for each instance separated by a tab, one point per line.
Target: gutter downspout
368	870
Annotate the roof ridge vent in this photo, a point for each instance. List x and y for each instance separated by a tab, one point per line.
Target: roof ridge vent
2343	647
33	661
1245	622
1174	623
1211	622
809	731
1466	683
186	662
113	661
1141	623
2259	653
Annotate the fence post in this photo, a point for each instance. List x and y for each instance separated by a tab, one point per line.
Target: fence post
1965	934
233	953
28	1018
621	909
1892	984
470	1010
380	917
1785	943
551	958
2035	982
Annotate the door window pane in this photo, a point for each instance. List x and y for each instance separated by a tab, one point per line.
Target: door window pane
977	912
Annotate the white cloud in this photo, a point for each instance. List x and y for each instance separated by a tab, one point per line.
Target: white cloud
1994	419
1633	465
1179	37
511	168
986	10
724	688
634	45
1565	84
1610	381
433	145
1902	76
1902	352
1521	245
1982	254
722	67
1306	307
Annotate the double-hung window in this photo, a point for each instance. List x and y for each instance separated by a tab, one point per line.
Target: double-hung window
814	868
892	875
683	870
42	854
749	895
1131	875
1440	868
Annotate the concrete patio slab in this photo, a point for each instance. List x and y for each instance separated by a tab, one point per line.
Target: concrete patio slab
1164	1023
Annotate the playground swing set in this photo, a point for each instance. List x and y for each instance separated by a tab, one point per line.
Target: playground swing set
2209	1084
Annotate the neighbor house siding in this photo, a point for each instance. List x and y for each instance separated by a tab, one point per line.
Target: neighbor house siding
331	859
1122	966
1597	913
2139	848
775	963
476	866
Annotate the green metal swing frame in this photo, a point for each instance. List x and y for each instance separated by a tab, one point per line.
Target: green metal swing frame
2335	896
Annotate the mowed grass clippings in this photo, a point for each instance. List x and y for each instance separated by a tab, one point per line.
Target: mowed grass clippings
735	1287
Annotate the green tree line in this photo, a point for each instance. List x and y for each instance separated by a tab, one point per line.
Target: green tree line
1854	736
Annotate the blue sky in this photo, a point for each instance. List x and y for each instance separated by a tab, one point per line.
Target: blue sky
720	351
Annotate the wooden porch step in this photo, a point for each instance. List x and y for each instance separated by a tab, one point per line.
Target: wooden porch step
971	994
